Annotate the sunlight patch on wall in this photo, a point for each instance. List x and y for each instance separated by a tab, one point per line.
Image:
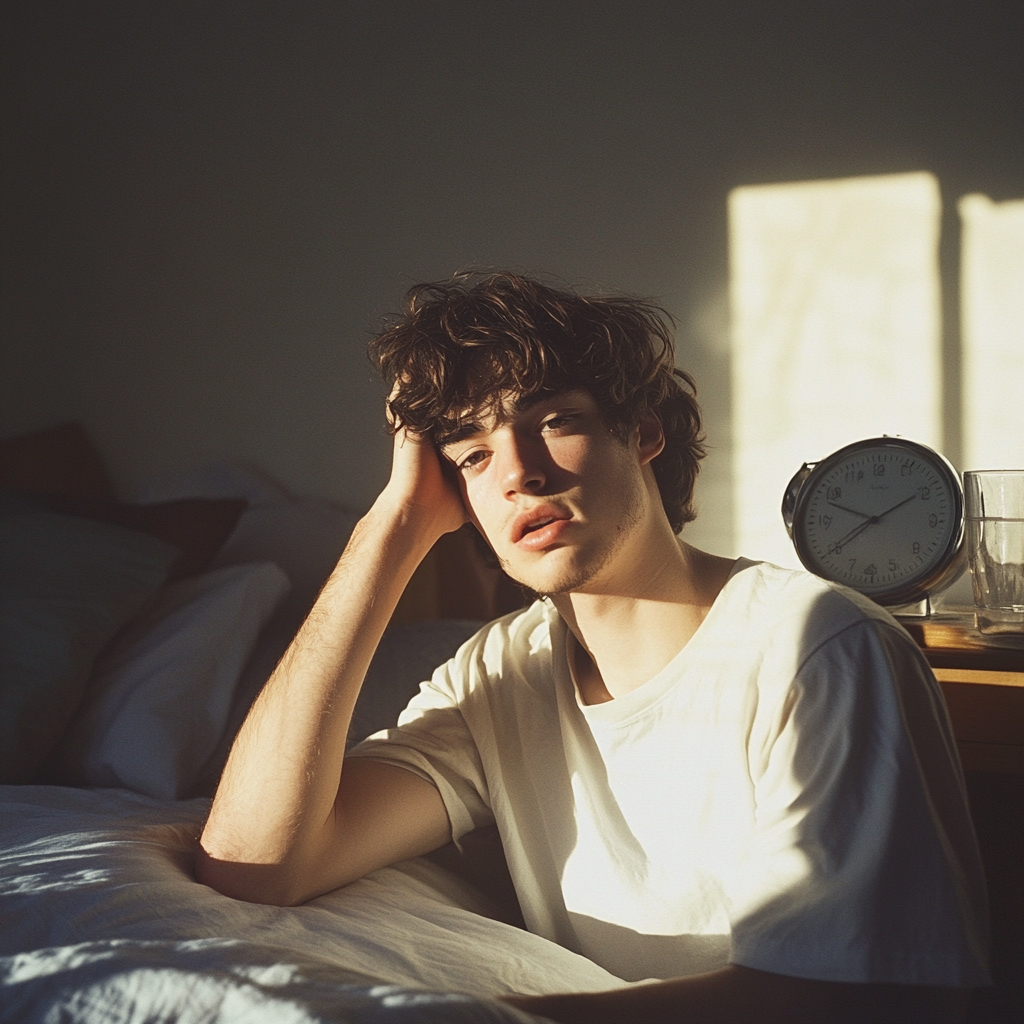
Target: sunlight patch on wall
834	291
992	332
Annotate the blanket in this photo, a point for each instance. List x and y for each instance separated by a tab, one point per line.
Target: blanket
101	919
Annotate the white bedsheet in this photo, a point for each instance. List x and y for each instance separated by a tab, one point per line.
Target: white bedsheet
101	920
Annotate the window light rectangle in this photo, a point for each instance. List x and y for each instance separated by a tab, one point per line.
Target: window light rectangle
834	293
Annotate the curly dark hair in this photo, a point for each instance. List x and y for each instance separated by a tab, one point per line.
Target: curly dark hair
463	342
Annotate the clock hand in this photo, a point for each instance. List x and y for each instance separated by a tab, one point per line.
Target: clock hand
870	521
855	532
882	515
853	511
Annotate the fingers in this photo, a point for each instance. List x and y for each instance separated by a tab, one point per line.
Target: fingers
420	474
389	411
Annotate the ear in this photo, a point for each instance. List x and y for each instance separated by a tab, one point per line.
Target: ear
651	438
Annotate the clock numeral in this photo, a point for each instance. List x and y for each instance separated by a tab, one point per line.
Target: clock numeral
924	493
825	520
871	570
853	562
906	469
916	548
834	492
879	469
893	565
933	520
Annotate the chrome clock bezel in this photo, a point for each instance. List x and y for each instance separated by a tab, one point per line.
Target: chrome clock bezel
939	571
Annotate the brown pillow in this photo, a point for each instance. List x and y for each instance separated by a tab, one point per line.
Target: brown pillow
198	527
57	460
63	468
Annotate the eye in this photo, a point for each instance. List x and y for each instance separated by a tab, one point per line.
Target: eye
473	460
558	421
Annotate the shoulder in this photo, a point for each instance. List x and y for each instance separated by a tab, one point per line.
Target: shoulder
795	618
506	673
775	598
771	590
518	644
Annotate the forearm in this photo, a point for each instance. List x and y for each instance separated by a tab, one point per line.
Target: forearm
735	995
275	804
723	995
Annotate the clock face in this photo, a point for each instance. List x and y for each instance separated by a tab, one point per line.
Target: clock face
884	517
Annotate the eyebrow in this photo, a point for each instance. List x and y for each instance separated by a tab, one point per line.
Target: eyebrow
524	403
461	433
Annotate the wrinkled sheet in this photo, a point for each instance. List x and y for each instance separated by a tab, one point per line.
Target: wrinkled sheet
102	920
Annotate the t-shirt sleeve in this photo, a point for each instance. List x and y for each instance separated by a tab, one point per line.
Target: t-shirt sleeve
433	739
863	865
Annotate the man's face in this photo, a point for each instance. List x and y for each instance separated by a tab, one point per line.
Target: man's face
556	494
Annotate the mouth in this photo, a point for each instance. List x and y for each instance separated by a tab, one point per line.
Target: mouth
539	527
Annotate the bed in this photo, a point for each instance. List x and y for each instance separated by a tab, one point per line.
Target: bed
135	636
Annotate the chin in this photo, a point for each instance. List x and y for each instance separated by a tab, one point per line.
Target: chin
554	575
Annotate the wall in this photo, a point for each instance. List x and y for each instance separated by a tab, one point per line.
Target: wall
208	207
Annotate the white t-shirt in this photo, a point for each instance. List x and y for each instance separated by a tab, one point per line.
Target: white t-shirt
784	794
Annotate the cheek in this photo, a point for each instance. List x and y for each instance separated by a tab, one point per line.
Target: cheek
472	497
574	456
608	462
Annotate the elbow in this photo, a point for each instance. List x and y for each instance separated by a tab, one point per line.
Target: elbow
270	884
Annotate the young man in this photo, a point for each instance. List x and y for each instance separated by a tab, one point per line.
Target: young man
726	775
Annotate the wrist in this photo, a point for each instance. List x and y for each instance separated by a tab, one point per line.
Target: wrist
574	1008
398	513
400	528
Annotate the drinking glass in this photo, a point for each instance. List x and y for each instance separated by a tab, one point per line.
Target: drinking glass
994	506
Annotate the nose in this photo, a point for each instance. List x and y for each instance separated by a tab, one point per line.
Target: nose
522	470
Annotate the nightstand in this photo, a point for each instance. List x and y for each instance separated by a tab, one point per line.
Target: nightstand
984	689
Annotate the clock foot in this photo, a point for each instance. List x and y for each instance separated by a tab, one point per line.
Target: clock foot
915	610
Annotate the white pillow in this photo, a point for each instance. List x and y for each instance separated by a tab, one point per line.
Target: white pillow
305	536
161	693
214	480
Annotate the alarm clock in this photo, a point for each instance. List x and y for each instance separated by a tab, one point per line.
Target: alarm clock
884	516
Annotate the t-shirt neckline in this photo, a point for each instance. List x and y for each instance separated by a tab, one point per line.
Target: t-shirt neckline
620	709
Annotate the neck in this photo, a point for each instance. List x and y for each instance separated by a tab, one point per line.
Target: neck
628	630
